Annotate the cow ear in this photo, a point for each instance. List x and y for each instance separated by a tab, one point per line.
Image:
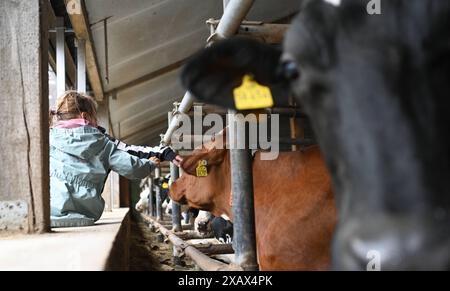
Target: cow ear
190	163
212	157
212	74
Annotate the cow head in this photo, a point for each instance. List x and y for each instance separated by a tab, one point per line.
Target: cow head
376	90
210	192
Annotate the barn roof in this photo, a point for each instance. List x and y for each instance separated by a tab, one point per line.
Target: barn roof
147	41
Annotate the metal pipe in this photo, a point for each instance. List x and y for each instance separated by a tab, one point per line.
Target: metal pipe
185	106
204	262
232	17
244	234
159	212
105	28
151	202
176	209
269	33
60	57
81	66
234	13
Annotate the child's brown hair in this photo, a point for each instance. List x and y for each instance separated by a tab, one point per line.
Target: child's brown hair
71	105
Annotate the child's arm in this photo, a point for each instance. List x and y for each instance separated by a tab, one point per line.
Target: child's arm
128	165
164	153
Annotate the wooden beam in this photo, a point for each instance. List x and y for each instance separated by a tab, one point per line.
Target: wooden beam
24	179
80	24
147	77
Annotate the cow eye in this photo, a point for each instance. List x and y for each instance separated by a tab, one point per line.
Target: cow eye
289	70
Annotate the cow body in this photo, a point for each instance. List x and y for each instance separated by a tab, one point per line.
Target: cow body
294	205
376	90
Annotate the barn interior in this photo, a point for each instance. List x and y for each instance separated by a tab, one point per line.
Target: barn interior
127	55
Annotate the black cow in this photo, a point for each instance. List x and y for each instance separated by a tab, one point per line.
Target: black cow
377	91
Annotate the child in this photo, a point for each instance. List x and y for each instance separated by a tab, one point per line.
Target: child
81	157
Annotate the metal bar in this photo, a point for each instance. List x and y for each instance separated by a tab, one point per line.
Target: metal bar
176	209
60	57
204	262
159	212
244	234
268	33
105	27
81	66
185	106
151	202
233	15
70	65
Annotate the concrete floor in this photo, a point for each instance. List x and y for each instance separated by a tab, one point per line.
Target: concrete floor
64	249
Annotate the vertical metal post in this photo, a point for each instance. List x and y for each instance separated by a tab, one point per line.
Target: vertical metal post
176	213
244	235
150	196
159	212
151	199
187	219
81	66
228	26
105	27
176	209
60	57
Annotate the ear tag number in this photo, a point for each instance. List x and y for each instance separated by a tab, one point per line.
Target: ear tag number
251	95
202	170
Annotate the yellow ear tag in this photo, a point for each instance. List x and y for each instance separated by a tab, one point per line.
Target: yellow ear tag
202	170
251	95
165	185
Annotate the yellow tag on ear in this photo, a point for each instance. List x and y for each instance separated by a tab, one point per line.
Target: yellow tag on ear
251	95
202	170
165	185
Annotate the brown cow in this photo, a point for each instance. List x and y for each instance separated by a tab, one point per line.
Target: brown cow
295	214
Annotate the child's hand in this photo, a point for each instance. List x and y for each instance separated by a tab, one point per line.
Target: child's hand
155	160
178	159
